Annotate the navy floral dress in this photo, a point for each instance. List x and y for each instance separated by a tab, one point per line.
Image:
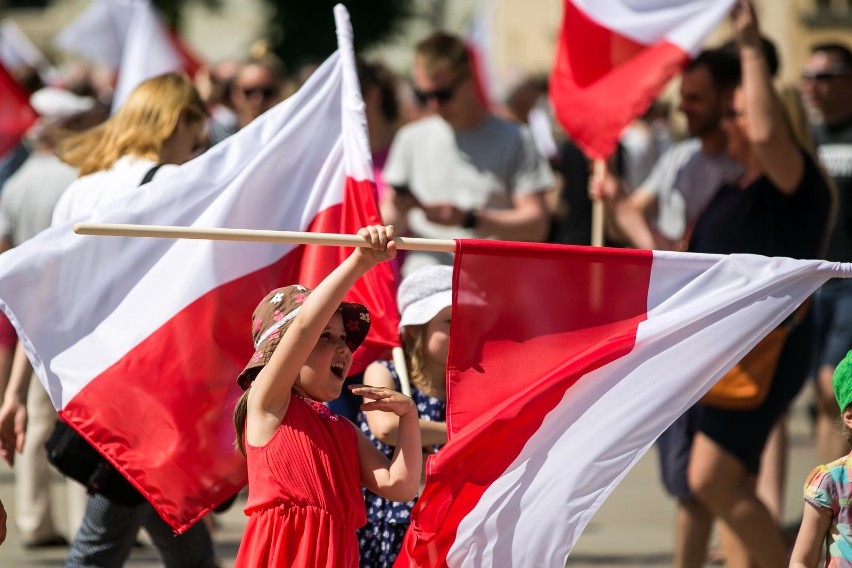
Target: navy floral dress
381	538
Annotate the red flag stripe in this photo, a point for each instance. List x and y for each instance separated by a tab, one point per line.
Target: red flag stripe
16	114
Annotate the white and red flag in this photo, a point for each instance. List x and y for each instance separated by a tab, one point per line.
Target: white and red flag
16	114
131	37
614	57
139	341
149	49
566	363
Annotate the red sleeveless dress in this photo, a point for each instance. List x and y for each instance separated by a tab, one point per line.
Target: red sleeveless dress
304	502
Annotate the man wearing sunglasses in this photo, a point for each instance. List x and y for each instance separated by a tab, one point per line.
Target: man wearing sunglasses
827	89
461	171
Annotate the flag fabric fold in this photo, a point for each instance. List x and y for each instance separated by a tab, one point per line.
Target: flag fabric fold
139	341
565	364
614	57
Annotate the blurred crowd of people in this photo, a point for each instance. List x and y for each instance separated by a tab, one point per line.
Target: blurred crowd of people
762	168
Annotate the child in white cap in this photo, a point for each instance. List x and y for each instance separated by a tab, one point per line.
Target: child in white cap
425	302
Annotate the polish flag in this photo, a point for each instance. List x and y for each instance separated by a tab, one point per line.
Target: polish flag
149	49
614	57
139	341
16	114
128	36
555	391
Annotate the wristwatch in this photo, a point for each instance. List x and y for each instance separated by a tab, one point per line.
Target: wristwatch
470	220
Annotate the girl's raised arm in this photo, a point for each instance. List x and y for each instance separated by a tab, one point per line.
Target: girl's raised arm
270	393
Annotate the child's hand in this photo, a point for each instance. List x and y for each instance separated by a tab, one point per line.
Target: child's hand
384	399
382	247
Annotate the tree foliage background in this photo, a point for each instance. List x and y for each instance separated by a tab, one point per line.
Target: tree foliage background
302	31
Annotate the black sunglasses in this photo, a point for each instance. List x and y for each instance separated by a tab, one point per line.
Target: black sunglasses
442	95
265	92
824	75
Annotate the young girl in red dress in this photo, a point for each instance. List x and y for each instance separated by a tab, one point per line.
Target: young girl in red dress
306	465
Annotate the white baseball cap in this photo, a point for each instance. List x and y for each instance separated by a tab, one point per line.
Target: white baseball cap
424	293
53	103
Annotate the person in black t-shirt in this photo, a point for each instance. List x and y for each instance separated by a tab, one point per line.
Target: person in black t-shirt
780	206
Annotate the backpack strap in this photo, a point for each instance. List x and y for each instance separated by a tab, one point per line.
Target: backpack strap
149	175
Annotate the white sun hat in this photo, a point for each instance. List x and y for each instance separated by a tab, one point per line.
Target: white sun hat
424	293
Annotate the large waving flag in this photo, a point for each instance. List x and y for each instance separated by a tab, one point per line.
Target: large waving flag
139	341
554	393
614	57
16	114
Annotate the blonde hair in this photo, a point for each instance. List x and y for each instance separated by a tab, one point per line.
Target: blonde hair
796	118
240	413
414	347
144	122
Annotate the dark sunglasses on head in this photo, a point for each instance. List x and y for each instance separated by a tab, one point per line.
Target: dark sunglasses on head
442	95
265	92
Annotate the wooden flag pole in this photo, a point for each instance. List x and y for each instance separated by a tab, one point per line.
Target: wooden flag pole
598	174
254	235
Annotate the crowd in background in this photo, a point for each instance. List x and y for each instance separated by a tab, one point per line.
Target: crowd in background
762	168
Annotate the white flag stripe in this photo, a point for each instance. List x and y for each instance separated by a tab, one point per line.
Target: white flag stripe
610	417
684	23
263	177
98	33
147	51
358	164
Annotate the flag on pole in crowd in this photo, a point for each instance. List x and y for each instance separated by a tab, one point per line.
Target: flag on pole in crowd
128	36
614	57
16	50
139	341
480	44
16	114
555	391
98	33
147	51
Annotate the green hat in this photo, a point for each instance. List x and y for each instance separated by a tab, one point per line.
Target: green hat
842	382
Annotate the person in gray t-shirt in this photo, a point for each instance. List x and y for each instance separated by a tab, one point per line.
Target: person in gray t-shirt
461	172
660	213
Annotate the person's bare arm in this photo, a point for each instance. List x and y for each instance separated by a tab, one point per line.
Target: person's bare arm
526	220
632	214
811	537
385	425
397	479
269	395
773	144
13	411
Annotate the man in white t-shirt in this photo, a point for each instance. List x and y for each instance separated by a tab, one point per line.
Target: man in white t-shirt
661	212
461	172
